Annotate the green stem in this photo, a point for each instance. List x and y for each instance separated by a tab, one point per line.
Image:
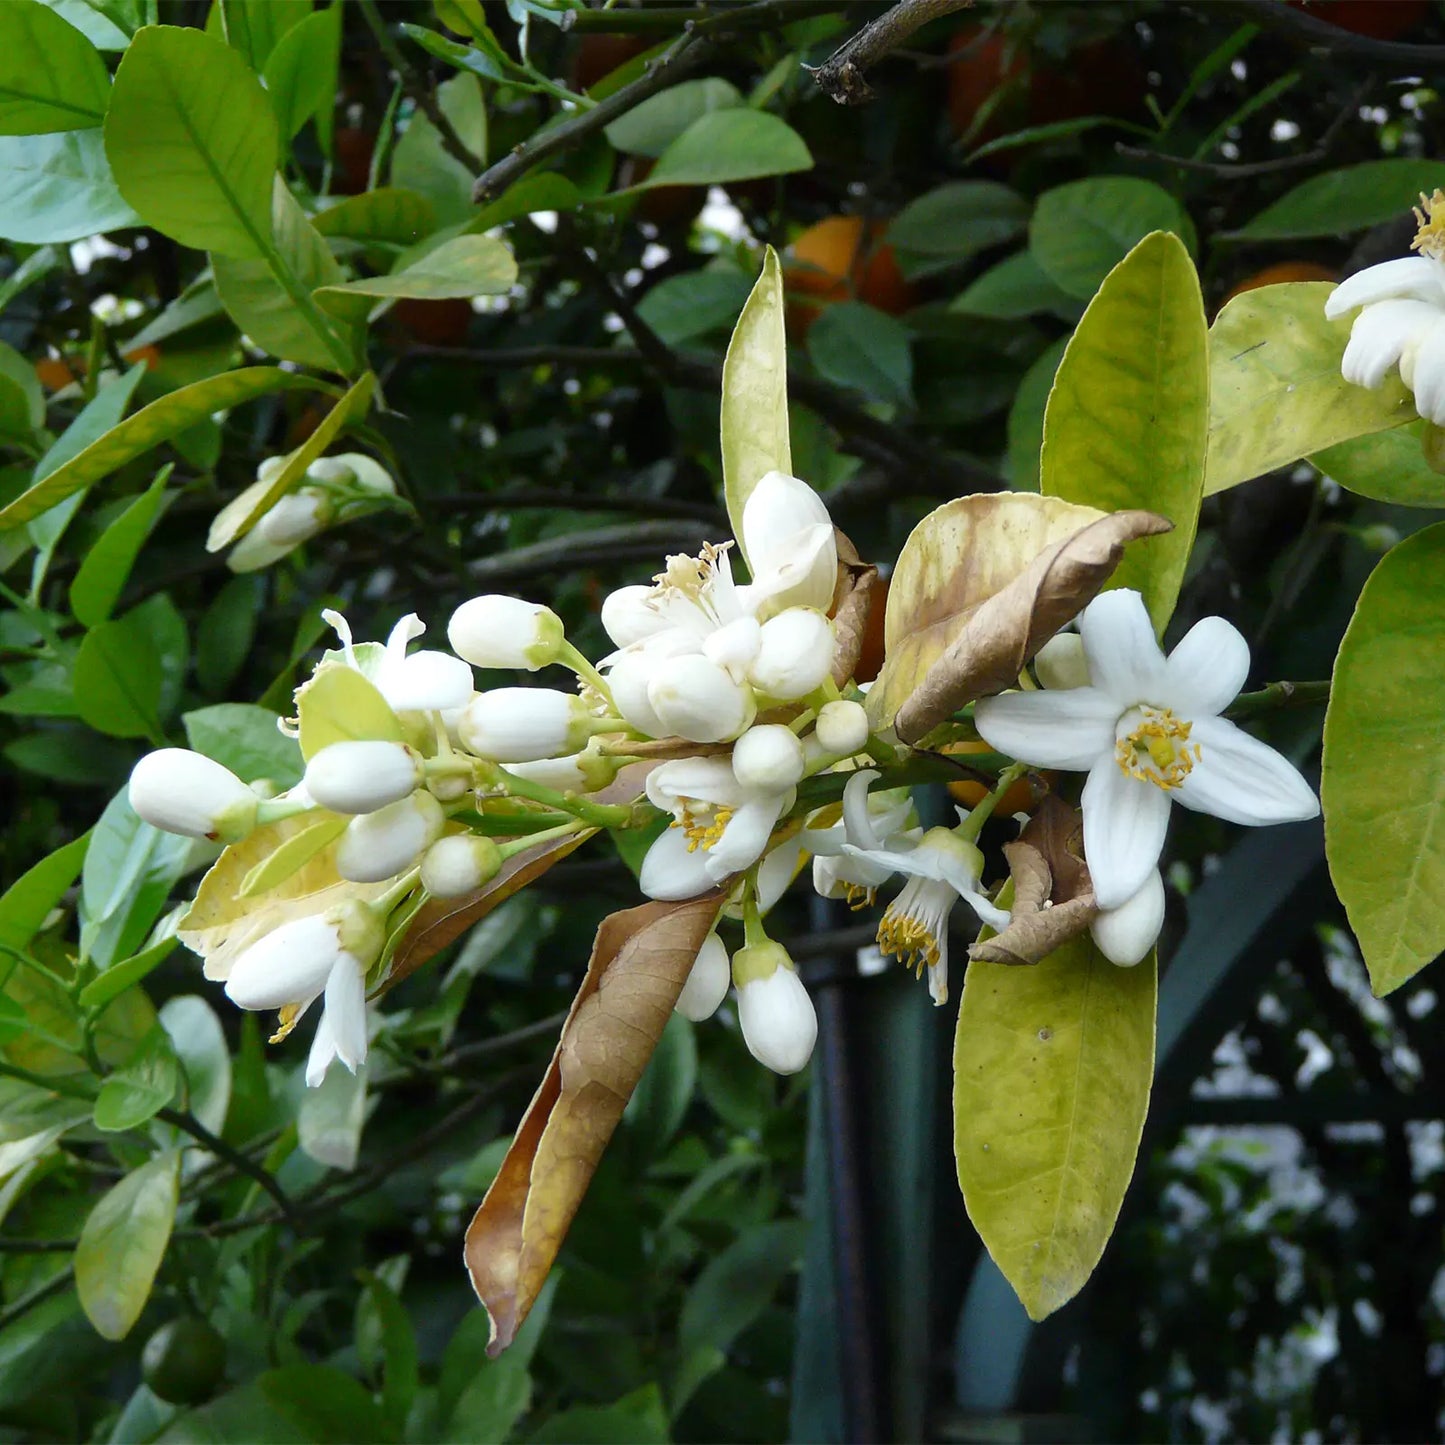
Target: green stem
601	815
563	830
571	657
1276	696
972	826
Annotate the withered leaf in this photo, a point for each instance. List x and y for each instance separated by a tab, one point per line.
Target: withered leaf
1000	636
640	961
853	601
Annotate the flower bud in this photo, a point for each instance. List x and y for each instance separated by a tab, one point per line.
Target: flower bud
707	982
735	646
500	631
842	728
779	1024
522	724
628	683
353	468
769	758
795	656
789	541
362	776
295	518
697	700
1060	663
379	845
459	864
582	772
1126	933
188	793
628	615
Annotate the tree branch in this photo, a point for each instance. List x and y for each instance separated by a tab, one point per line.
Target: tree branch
841	76
241	1163
1315	33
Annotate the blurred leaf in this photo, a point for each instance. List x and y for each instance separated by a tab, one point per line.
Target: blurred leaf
1026	418
389	214
102	31
1386	465
58	188
126	973
1127	424
200	1045
318	1404
865	349
663	1093
1082	230
680	308
225	631
122	1244
953	222
1275	389
398	1344
51	77
331	1117
1051	131
300	71
737	1285
635	1419
193	141
123	670
1345	200
133	1093
729	145
256	27
27	903
464	267
1383	778
1052	1070
421	163
1013	288
246	739
649	128
22	403
103	572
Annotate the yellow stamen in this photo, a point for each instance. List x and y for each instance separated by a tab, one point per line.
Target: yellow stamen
1430	238
858	897
905	938
690	575
1158	750
701	825
286	1021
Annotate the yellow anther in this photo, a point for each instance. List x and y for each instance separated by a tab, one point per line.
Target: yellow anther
858	897
1430	238
1158	750
701	824
905	938
286	1021
689	576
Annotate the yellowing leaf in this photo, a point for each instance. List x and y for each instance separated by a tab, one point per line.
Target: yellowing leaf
1052	1070
339	705
294	853
639	964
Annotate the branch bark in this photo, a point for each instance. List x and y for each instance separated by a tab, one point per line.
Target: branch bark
842	76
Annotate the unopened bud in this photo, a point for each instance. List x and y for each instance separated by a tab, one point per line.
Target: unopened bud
1060	662
522	724
769	758
184	792
842	727
362	776
778	1021
795	655
707	983
698	700
379	845
582	772
501	631
295	518
459	864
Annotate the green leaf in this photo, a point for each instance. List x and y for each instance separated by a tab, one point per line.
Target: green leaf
118	679
754	425
102	31
256	27
636	1419
193	141
648	129
22	402
102	575
27	902
200	1044
291	856
1383	778
125	974
58	188
730	145
1345	200
51	77
1275	389
1026	418
736	1286
123	1243
400	1374
421	163
1387	466
656	1108
338	705
954	222
391	214
1127	423
315	1403
1082	230
464	267
260	293
158	422
133	1094
539	191
1052	1070
857	346
245	738
1015	287
301	70
680	308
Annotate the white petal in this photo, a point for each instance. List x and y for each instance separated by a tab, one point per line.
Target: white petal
1242	780
707	981
1124	825
699	701
742	841
628	615
706	779
734	646
1412	276
1380	336
1125	934
288	965
1068	729
795	654
346	1011
1124	659
915	864
323	1051
805	577
379	845
768	758
1206	670
778	1021
777	870
856	818
253	552
426	682
628	681
669	872
1428	378
778	508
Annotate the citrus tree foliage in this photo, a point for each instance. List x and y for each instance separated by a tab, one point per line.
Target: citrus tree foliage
319	318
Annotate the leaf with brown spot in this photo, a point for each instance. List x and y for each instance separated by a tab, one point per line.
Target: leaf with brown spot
995	640
853	598
639	963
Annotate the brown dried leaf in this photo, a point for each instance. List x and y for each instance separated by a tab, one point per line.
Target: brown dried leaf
639	963
852	603
1001	634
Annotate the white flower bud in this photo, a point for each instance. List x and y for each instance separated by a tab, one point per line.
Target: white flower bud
1060	663
522	724
459	864
842	727
362	776
582	772
295	518
778	1021
355	468
500	631
188	793
1126	933
769	758
628	616
697	700
287	965
707	982
795	656
379	845
735	646
628	682
271	468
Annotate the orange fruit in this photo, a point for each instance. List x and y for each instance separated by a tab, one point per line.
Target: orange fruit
1280	272
54	373
840	258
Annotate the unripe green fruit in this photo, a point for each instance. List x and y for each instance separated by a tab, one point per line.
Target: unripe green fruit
184	1361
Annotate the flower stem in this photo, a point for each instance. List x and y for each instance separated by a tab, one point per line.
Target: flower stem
601	815
571	657
972	825
1276	696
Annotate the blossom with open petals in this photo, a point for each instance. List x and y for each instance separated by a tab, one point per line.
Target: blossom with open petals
1147	731
425	681
872	823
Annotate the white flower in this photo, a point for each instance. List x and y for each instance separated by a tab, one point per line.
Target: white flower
941	869
795	654
354	469
1126	933
1402	320
426	681
360	776
1148	730
379	845
524	724
842	728
707	982
872	823
789	543
582	772
689	600
697	699
188	793
777	1017
459	864
719	826
501	631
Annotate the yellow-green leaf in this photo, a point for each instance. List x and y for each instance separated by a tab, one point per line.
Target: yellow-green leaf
389	213
1127	423
755	394
1389	466
1383	780
292	855
340	705
1052	1069
1275	388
